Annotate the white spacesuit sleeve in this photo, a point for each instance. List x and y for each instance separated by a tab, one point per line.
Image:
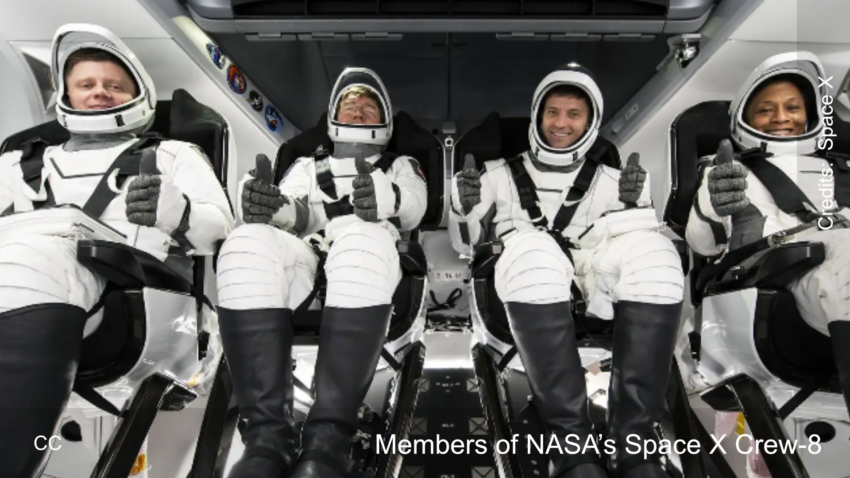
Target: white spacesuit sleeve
411	192
211	218
296	185
467	231
707	233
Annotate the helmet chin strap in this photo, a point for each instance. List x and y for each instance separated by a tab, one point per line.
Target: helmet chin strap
356	150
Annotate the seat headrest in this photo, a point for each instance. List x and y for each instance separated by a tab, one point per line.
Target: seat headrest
695	133
408	139
182	119
498	137
195	123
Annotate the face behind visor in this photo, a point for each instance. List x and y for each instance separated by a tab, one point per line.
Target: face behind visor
577	76
783	93
354	120
130	116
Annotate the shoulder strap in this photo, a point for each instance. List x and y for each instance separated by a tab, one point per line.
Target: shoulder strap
385	162
529	200
325	179
527	191
125	165
783	189
576	192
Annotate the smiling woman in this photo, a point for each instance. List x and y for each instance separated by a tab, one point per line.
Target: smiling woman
778	108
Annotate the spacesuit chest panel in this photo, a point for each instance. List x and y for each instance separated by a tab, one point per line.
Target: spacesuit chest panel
74	176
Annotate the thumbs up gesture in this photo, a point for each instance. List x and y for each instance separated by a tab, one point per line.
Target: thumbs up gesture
469	184
632	179
261	200
727	182
363	198
153	200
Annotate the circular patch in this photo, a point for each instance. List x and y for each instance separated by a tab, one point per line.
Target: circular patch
256	100
236	79
216	55
273	119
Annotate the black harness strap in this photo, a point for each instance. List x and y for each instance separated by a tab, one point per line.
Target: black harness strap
577	191
127	164
527	191
529	201
340	207
325	179
783	189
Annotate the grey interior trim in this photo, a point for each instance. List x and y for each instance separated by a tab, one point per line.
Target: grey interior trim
687	26
437	25
726	18
678	10
213	9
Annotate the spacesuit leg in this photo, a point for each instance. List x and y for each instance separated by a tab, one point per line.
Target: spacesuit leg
363	271
533	277
823	298
641	273
44	298
263	275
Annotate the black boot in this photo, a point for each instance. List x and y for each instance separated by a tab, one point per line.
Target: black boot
840	333
350	344
39	356
258	347
545	338
644	343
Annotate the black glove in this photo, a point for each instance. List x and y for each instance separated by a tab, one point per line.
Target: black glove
261	200
469	185
154	201
632	179
363	197
727	183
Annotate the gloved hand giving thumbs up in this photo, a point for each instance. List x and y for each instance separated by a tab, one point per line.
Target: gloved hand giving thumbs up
469	185
261	200
727	183
632	179
153	200
363	198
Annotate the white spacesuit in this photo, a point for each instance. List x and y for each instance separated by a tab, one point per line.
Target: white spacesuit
46	295
776	183
623	266
361	199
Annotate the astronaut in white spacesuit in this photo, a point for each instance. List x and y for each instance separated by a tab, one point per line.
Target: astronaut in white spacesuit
780	178
104	98
625	269
362	198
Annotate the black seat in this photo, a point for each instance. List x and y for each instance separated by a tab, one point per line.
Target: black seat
117	345
496	138
408	139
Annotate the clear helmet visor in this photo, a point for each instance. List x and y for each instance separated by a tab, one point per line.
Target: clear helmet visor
72	38
347	101
781	102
